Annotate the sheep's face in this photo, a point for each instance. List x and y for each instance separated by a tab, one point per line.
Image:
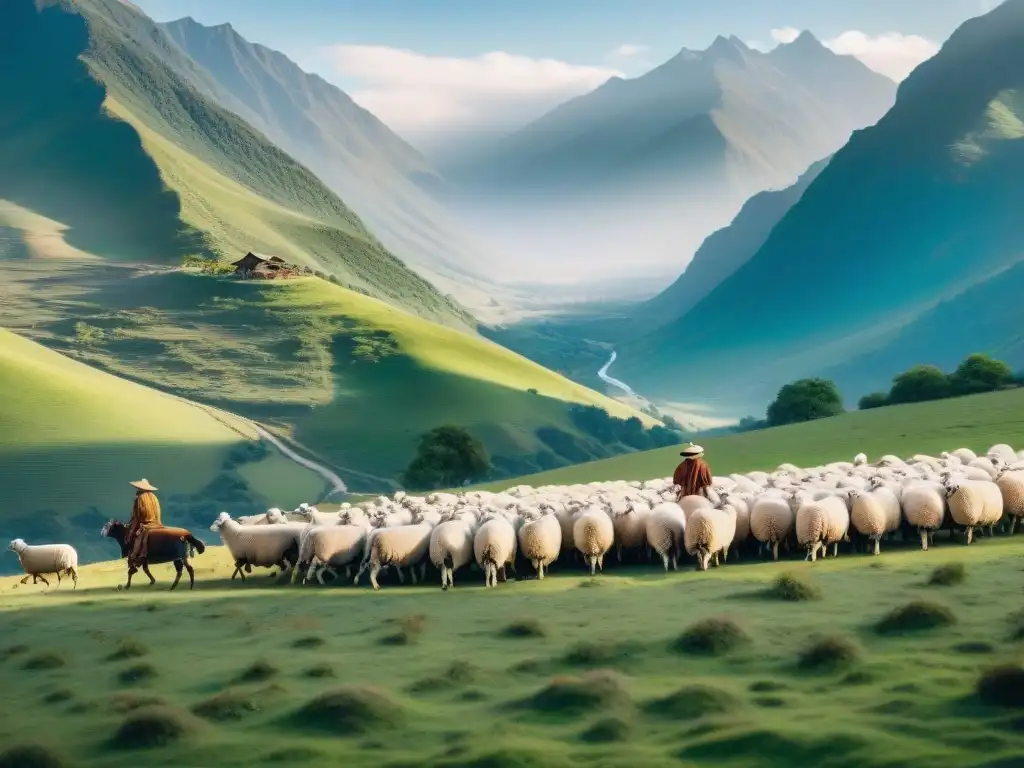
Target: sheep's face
951	489
17	545
222	518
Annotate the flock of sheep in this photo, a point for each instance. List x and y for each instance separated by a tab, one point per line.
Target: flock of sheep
806	510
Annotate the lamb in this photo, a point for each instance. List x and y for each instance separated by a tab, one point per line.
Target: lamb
39	559
666	532
771	521
540	541
494	547
973	503
924	506
260	546
402	545
710	532
1011	485
328	547
451	545
593	535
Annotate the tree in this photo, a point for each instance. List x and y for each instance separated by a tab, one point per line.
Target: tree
980	373
920	383
448	457
805	400
750	424
873	400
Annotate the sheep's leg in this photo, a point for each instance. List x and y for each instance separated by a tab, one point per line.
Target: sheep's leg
664	560
775	550
970	533
600	563
1013	524
27	577
877	548
540	568
311	571
401	576
42	579
924	540
177	575
374	570
716	561
423	571
320	575
131	572
412	574
330	570
74	577
58	579
835	548
191	574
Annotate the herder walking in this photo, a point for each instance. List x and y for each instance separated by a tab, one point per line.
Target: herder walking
145	516
693	475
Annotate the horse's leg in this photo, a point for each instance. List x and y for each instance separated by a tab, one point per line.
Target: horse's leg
145	570
191	574
177	574
132	570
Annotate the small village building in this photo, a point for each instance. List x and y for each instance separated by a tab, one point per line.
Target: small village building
257	265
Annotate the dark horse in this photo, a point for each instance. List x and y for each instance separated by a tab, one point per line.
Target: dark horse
163	546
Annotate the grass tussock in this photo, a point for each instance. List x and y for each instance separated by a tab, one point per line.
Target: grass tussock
504	757
58	696
829	654
46	660
137	673
793	588
154	727
1002	686
523	628
259	671
526	667
31	756
127	649
312	641
857	677
351	709
915	616
592	654
124	702
974	647
947	575
692	702
608	730
711	637
767	686
227	706
596	691
457	674
320	672
410	628
13	650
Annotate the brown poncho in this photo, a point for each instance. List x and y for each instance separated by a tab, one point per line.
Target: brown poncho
145	514
692	476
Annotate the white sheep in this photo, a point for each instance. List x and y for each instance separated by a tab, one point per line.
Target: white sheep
666	532
402	545
40	559
690	504
860	460
630	525
540	541
593	535
867	516
709	532
771	521
494	547
261	546
1011	485
924	506
973	503
451	546
821	522
328	547
311	514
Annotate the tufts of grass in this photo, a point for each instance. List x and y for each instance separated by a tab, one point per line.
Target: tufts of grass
947	575
770	702
711	637
13	650
137	673
829	654
457	674
1002	686
226	706
351	709
596	691
320	671
526	667
309	642
523	628
128	648
59	696
608	730
45	661
505	757
693	702
793	588
409	630
153	727
31	756
767	686
259	671
124	702
590	654
915	616
974	646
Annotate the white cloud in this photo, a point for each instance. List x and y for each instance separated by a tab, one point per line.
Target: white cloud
627	51
785	35
892	54
417	94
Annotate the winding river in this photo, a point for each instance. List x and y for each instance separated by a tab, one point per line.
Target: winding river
603	374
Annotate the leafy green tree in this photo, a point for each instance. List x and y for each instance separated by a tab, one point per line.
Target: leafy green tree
448	457
805	400
873	400
980	373
920	383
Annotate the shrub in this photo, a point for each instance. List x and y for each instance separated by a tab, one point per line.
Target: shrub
45	661
1002	686
595	691
919	384
793	588
608	730
156	726
257	672
805	400
31	756
351	709
711	637
980	373
827	654
524	628
873	400
947	575
915	616
128	648
229	705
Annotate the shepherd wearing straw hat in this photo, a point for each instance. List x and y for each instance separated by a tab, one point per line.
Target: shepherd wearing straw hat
145	516
693	476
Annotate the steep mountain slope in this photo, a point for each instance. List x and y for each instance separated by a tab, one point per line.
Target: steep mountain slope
910	212
73	437
230	189
372	169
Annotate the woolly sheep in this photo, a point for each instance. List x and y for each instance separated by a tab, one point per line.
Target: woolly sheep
924	506
860	459
494	547
311	514
709	532
867	516
820	523
593	535
630	527
742	506
451	546
402	545
328	547
540	541
40	559
1011	485
1002	451
771	521
690	504
259	546
973	503
666	532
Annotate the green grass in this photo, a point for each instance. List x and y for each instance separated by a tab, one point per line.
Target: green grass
976	422
96	432
467	694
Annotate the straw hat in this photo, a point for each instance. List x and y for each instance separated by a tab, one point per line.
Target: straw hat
142	485
692	451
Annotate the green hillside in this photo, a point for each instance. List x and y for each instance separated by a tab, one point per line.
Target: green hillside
73	437
911	212
976	422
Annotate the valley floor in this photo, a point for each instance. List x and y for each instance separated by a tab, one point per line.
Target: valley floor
568	671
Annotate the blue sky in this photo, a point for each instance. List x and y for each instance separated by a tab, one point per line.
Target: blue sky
364	46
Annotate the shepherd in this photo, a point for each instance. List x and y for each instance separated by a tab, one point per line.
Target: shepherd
145	517
693	475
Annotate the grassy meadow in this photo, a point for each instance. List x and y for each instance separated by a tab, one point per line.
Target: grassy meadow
633	668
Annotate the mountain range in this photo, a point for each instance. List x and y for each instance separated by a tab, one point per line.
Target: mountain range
910	224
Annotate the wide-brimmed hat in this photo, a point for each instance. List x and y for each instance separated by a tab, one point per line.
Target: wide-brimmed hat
142	485
692	450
